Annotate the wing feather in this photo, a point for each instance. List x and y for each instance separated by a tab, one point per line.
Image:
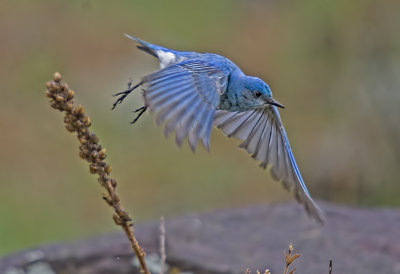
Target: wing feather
251	142
245	129
185	125
206	131
265	139
180	118
173	95
222	116
230	126
169	108
185	96
273	152
263	150
197	126
159	93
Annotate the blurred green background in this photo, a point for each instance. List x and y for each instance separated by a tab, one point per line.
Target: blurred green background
333	64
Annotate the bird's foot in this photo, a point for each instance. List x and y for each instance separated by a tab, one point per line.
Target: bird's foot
125	93
139	111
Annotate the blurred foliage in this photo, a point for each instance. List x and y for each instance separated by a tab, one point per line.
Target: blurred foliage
333	64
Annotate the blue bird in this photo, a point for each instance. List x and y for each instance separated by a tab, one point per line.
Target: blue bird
194	91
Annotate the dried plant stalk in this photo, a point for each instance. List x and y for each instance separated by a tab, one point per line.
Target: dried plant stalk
61	98
162	246
289	259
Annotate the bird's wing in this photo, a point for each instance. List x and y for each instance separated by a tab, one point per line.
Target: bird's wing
185	96
265	139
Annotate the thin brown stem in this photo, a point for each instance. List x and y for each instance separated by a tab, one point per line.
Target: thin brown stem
162	246
61	98
289	259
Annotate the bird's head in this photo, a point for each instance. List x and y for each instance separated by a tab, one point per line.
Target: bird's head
258	93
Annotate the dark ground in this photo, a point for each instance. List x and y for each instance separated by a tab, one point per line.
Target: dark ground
357	240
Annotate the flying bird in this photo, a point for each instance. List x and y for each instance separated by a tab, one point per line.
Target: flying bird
193	91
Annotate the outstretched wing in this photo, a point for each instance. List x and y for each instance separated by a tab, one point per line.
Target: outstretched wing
185	96
265	138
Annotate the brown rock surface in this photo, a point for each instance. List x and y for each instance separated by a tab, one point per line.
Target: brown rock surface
357	240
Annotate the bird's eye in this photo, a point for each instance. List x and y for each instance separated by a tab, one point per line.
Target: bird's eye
258	94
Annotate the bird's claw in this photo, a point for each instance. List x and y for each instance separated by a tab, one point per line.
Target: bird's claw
140	111
125	93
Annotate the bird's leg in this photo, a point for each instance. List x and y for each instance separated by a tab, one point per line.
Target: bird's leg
140	111
125	93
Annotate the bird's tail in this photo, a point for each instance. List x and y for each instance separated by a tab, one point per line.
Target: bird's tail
146	47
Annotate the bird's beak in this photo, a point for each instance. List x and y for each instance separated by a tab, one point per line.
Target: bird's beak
275	103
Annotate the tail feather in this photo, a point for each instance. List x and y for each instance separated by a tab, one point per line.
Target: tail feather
146	47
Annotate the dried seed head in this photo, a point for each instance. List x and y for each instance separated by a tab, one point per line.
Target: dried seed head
79	110
69	106
59	98
102	154
67	119
70	94
57	77
108	169
93	168
51	86
70	127
87	121
82	155
117	219
94	154
78	123
54	105
82	140
95	139
86	151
